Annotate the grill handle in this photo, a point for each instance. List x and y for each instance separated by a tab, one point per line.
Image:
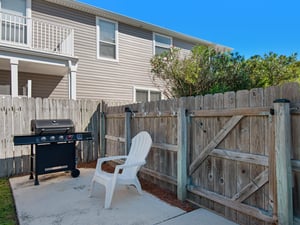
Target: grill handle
56	130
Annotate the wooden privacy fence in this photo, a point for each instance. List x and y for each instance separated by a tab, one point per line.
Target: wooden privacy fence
227	152
16	115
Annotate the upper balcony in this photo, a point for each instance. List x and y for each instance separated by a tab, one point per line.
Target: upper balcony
22	32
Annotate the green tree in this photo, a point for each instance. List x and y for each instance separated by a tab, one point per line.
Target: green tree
203	71
272	69
206	70
174	74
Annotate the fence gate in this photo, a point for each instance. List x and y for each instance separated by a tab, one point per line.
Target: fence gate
229	163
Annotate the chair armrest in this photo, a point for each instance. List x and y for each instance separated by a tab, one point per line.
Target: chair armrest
119	167
100	161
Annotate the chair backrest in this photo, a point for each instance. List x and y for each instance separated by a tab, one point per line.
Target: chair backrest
140	147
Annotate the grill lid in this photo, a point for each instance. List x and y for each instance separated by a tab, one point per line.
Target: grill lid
52	126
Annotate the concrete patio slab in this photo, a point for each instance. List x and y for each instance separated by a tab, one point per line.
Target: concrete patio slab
198	217
63	200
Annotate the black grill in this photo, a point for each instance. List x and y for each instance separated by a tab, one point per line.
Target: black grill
52	126
52	146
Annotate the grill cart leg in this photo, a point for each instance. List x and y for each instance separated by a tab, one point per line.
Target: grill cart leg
36	180
31	163
75	172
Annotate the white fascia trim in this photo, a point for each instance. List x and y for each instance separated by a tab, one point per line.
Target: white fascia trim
98	39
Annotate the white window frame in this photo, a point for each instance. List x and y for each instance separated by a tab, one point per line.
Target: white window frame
27	10
135	88
160	44
29	23
98	39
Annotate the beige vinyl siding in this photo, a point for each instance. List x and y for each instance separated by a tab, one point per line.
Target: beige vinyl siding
98	78
185	47
4	82
45	86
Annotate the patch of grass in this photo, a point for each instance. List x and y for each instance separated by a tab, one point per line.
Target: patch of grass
7	207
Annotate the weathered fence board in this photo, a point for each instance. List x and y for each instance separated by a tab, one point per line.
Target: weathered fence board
257	142
230	166
270	94
243	136
206	178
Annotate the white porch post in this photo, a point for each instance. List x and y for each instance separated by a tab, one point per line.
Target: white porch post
29	88
14	63
72	81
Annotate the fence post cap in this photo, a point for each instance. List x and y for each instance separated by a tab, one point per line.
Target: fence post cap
127	109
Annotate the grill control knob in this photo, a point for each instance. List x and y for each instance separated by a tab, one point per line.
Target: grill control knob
69	137
52	138
61	137
43	139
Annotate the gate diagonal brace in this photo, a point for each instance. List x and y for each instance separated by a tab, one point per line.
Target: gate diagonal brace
213	143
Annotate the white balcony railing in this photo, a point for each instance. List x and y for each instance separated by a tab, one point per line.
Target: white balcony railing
36	34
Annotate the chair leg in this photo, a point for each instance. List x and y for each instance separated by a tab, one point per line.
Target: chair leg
92	187
137	184
108	196
109	190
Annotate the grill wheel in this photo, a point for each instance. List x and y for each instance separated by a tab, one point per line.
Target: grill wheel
75	173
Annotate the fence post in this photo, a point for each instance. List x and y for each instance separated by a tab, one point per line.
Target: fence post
102	131
283	161
127	130
182	154
102	134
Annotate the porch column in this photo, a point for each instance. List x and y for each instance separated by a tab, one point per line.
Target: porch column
72	81
14	63
29	88
72	84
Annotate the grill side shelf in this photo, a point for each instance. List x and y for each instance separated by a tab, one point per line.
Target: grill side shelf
51	138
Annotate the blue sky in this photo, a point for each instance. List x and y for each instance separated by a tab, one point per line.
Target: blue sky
249	27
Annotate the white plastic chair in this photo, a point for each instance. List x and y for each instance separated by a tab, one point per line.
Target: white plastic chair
139	150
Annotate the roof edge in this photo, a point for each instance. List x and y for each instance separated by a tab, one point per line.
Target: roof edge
137	23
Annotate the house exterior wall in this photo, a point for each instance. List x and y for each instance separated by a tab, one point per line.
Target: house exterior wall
44	86
98	78
4	82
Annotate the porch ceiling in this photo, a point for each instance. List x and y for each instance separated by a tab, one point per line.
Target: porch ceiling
36	68
31	61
